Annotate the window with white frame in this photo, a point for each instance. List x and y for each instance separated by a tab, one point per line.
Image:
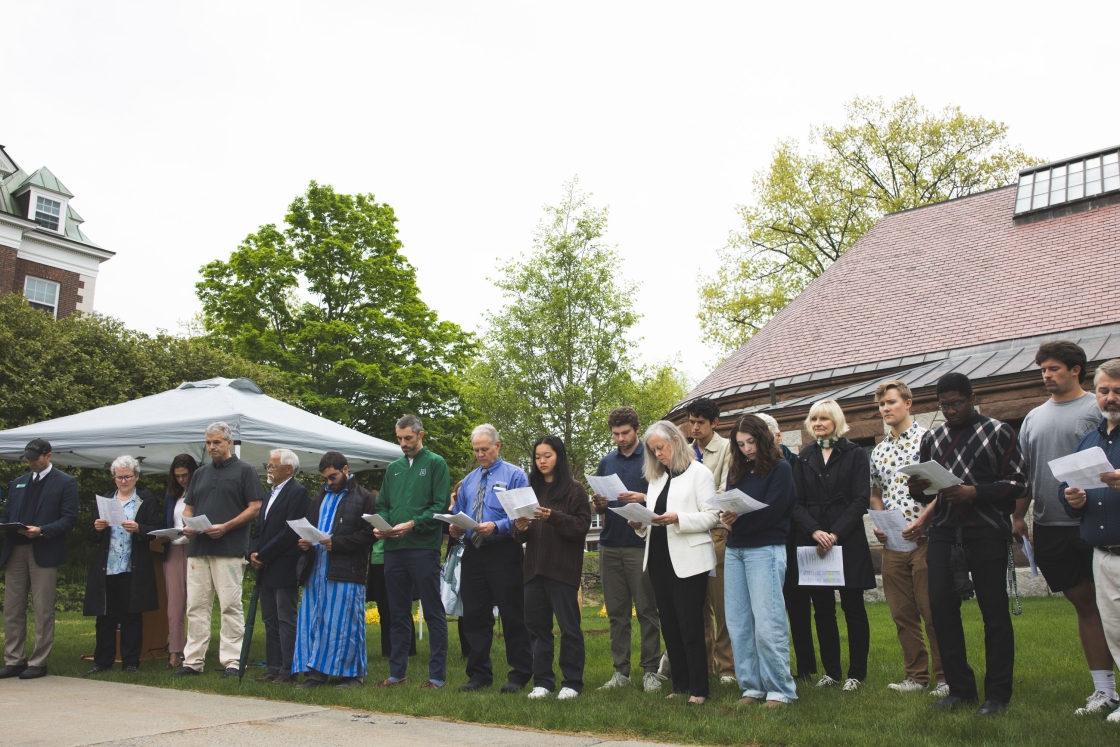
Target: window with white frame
596	520
41	294
47	212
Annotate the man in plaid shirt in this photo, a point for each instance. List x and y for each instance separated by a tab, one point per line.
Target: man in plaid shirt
985	455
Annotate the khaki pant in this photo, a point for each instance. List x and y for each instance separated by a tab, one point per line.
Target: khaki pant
206	575
906	587
1106	575
21	575
716	639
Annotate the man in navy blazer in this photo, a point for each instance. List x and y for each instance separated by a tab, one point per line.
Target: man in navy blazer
273	553
42	507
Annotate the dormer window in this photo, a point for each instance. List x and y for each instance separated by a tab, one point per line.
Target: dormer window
1057	184
47	212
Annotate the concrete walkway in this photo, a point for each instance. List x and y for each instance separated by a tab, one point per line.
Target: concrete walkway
64	711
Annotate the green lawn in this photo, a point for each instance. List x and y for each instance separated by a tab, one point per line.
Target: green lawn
1051	681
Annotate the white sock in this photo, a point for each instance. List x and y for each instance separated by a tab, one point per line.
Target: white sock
1104	681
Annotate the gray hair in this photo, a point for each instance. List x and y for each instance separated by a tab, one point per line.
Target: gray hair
220	427
486	430
287	457
411	422
1111	369
770	422
680	455
125	462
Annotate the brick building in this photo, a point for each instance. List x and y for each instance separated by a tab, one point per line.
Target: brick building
972	285
43	253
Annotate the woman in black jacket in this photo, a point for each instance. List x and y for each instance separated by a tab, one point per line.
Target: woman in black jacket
121	585
832	477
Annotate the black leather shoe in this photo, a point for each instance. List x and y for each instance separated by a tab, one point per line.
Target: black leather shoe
512	687
473	686
229	672
991	708
132	669
12	670
949	702
96	670
186	672
32	673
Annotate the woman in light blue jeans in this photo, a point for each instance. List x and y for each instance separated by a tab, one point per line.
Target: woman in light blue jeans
754	567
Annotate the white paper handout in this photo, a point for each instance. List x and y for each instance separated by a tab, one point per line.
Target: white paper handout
939	477
813	570
634	512
891	523
303	528
171	534
459	520
609	486
1082	469
519	503
1029	552
111	510
377	522
735	500
197	523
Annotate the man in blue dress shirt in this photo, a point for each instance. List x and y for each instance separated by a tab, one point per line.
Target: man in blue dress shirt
491	572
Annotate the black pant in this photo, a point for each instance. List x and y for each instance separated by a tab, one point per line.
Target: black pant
278	612
379	595
987	561
828	633
491	575
118	598
545	597
680	605
406	570
799	608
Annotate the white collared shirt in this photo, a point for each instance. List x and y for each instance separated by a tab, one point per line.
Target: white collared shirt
275	492
45	472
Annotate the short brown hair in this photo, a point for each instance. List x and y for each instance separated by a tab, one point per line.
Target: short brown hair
1065	352
903	389
621	416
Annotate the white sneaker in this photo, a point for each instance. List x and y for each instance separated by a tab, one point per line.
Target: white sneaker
941	691
1096	703
906	686
727	680
567	693
851	685
651	682
827	681
539	692
617	680
1114	717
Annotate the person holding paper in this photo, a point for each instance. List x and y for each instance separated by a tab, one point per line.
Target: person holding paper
331	627
1098	510
984	454
1050	431
273	553
553	568
833	482
45	502
626	584
905	574
228	493
121	585
179	476
679	552
714	451
491	571
416	487
755	567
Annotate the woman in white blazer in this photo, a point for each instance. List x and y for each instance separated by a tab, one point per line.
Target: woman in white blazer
679	551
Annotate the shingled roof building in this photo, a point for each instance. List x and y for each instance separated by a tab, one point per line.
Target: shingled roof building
972	285
43	253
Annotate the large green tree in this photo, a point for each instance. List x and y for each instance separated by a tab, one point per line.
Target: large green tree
332	303
558	356
811	206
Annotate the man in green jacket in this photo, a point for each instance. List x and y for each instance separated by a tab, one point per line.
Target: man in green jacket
416	487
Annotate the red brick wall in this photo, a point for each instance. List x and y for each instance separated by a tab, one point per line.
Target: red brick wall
7	269
13	271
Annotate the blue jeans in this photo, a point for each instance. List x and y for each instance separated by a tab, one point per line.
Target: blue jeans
756	621
405	569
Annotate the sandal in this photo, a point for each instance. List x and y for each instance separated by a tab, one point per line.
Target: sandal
172	663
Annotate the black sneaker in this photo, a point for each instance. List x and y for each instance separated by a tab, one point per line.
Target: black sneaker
229	672
131	669
97	669
186	671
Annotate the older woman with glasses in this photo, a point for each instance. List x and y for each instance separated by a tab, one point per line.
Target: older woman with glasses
121	585
679	551
179	477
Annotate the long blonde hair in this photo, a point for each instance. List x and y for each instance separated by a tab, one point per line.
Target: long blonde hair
681	455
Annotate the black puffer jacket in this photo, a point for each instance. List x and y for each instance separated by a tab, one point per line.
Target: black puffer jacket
351	536
145	596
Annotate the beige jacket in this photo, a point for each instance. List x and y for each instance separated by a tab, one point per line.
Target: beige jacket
717	458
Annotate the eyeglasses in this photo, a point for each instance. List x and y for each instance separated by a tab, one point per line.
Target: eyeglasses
272	467
124	478
946	407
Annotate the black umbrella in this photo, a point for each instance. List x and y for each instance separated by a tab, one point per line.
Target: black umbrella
247	636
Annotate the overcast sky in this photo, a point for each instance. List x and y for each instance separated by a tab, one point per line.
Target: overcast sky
181	127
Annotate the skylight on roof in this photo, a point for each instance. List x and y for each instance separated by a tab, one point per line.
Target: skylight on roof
1059	183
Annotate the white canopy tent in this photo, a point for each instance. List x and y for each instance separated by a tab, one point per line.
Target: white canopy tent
154	429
